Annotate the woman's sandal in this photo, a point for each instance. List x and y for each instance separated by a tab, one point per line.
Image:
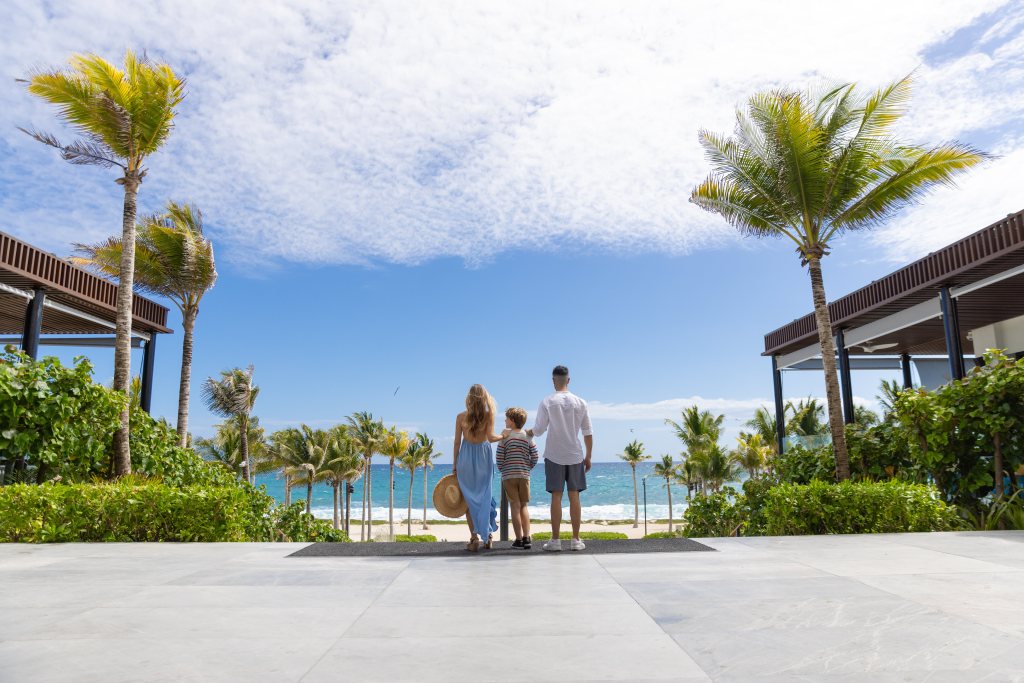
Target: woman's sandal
474	545
490	542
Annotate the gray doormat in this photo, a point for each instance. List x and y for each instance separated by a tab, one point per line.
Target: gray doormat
501	549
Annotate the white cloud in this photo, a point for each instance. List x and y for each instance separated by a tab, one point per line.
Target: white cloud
733	408
329	132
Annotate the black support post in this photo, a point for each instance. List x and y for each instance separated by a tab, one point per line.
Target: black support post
845	379
908	383
951	326
148	358
503	527
33	324
780	408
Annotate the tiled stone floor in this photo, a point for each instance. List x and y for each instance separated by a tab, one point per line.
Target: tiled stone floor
911	607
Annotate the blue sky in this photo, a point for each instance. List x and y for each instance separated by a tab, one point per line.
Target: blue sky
423	200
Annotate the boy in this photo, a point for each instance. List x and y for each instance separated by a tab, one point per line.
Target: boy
516	456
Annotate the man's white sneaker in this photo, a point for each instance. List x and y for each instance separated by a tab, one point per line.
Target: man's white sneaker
554	545
577	544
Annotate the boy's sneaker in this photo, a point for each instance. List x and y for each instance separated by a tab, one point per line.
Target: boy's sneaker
554	545
527	542
576	544
518	543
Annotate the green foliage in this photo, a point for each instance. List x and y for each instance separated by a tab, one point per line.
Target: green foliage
714	514
415	538
565	534
135	509
663	534
155	453
800	465
854	508
55	416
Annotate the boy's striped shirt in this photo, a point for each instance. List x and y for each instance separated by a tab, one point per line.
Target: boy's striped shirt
516	456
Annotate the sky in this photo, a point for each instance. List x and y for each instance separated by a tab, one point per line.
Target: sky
409	198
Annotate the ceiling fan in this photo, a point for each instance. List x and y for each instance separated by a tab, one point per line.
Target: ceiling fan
868	347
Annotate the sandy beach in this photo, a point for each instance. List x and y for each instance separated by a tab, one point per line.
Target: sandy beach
460	532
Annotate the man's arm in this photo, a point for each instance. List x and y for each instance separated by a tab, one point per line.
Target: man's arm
588	441
588	436
540	424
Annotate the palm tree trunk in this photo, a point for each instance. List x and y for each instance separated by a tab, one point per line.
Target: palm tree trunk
391	500
997	463
369	499
424	497
309	493
188	325
348	508
828	361
337	505
362	512
287	489
243	443
636	501
668	485
123	328
408	516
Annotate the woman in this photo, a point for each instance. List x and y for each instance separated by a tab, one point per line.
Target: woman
473	466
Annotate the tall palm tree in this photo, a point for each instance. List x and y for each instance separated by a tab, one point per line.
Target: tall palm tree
763	423
225	447
698	428
688	475
667	470
427	455
307	458
122	116
233	396
811	167
716	468
411	461
751	453
280	446
806	418
633	453
368	435
172	259
396	444
344	464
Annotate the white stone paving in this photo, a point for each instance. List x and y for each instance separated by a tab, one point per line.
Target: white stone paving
906	607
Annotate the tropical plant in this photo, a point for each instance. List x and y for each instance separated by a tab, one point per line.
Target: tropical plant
233	396
812	167
752	454
367	433
225	447
805	418
716	467
634	455
411	461
279	447
344	464
396	444
427	456
763	424
122	117
307	457
172	259
864	416
698	429
666	470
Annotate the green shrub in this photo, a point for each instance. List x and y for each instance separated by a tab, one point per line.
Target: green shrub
800	465
711	515
155	453
133	509
584	535
415	538
854	508
664	534
55	417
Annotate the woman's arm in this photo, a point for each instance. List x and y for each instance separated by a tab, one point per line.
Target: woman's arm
458	443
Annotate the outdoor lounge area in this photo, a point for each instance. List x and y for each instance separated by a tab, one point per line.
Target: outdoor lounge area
935	607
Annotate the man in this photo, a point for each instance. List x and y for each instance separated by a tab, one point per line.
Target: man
563	415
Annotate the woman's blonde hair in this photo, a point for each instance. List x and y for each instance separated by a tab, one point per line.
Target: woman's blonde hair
480	411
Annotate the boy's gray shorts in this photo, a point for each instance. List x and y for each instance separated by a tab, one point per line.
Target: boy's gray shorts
558	477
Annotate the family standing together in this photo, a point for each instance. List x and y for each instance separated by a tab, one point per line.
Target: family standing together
563	417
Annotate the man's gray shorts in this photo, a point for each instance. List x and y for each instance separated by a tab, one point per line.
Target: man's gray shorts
558	477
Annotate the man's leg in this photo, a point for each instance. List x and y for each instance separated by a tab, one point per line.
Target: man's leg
556	513
575	513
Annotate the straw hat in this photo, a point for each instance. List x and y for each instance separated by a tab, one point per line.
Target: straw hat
448	498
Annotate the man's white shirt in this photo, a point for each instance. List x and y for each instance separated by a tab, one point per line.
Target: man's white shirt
563	415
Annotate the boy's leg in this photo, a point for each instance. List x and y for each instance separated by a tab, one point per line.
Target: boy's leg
524	509
516	524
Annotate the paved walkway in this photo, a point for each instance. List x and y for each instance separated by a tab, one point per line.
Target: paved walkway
915	607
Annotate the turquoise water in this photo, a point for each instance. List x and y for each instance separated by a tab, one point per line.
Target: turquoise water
609	493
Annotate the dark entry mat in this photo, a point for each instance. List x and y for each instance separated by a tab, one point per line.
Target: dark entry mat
501	549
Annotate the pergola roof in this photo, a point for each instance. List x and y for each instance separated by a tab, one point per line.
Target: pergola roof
984	273
77	301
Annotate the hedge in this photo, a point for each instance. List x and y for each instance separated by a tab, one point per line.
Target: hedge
584	536
139	510
415	538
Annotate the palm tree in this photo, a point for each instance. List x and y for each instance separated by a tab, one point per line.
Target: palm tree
716	468
307	462
233	396
344	464
172	259
633	453
279	449
122	117
751	453
698	429
667	470
427	455
806	418
396	444
367	434
411	461
225	447
813	167
763	424
688	475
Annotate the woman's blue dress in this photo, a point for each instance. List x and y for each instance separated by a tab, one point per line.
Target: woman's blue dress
475	472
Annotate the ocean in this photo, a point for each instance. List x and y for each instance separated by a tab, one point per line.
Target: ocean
609	493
